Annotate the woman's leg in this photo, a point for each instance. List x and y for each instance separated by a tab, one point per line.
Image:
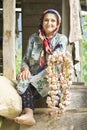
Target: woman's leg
28	106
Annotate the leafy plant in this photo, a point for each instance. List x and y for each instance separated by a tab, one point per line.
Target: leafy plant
18	60
84	51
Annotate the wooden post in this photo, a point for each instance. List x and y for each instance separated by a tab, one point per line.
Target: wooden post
9	69
65	17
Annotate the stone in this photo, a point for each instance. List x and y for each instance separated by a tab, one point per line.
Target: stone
10	100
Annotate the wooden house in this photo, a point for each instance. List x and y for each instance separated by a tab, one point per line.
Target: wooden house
76	116
31	11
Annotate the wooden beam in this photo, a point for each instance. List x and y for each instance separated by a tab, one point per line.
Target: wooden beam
9	39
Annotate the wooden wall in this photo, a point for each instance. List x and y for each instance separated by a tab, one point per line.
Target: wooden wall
1	23
1	35
32	10
1	57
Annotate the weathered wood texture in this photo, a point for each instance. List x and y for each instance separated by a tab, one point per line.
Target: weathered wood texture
1	35
1	24
32	11
9	39
1	62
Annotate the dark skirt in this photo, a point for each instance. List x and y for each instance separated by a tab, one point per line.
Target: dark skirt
29	96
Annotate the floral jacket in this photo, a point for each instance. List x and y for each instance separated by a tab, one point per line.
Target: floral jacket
35	47
33	53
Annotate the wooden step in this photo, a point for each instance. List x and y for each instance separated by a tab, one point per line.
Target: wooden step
75	120
78	83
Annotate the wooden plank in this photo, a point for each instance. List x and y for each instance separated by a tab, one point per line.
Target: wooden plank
31	20
39	8
79	83
1	60
27	31
9	69
39	1
0	53
1	29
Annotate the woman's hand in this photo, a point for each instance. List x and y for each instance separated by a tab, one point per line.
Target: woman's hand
25	74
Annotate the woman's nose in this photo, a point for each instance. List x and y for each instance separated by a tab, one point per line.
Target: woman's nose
49	22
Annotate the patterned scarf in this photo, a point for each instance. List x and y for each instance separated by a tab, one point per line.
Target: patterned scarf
46	46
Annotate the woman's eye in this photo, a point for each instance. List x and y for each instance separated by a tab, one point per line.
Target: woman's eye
52	20
46	20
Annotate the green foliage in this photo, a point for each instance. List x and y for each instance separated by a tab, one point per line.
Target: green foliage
86	18
18	60
84	59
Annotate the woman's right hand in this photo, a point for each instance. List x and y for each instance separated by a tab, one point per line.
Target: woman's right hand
25	74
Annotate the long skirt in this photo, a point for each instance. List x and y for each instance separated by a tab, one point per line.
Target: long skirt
29	96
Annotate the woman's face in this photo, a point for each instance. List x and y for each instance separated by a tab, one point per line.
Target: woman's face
49	23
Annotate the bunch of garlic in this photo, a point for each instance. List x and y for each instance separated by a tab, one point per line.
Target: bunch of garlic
59	77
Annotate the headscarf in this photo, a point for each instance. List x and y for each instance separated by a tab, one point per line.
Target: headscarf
44	38
50	11
42	35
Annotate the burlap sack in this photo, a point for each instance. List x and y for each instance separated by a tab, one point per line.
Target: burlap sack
10	101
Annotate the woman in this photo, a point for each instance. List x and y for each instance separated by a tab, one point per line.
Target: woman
40	45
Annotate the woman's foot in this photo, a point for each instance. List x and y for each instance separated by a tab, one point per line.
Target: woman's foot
26	118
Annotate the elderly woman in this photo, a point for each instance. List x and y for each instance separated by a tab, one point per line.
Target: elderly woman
39	46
